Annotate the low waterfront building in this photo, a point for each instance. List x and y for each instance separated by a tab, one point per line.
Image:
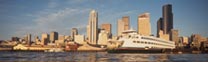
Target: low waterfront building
20	47
103	38
67	38
34	48
61	40
15	38
185	40
37	41
61	37
79	39
163	36
196	41
86	47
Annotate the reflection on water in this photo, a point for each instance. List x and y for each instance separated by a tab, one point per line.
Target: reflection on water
100	57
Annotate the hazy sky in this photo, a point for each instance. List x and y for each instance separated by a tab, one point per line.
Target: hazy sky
20	17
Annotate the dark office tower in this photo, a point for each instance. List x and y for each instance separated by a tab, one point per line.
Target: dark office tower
53	36
159	26
167	18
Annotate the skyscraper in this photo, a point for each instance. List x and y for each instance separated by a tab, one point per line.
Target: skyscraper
29	39
120	27
165	24
53	36
107	28
174	36
159	26
92	28
125	19
167	18
74	32
44	39
144	27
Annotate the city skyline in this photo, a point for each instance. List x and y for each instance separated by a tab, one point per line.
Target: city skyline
55	16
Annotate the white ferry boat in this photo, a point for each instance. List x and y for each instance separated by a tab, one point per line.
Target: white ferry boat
133	42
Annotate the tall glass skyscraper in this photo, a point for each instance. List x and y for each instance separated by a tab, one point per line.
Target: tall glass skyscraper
92	28
167	18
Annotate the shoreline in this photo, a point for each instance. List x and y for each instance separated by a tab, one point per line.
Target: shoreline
115	51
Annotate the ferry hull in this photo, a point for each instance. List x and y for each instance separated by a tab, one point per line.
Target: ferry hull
135	50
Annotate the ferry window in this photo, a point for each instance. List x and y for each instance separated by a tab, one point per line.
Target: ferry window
138	41
129	36
134	41
145	42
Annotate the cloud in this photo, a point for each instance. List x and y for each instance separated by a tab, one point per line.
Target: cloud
76	1
61	21
52	4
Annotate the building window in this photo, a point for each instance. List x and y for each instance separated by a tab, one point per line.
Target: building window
142	42
138	41
134	41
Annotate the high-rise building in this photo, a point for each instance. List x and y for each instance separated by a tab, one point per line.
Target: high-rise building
144	27
174	36
44	39
53	36
107	28
165	24
125	19
120	27
29	39
167	18
159	26
74	32
92	28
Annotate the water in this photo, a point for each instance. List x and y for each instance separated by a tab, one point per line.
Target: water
100	57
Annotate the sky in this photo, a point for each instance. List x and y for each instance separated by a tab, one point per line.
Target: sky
21	17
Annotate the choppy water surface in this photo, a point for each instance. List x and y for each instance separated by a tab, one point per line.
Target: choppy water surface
100	57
